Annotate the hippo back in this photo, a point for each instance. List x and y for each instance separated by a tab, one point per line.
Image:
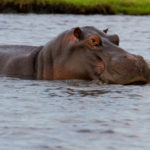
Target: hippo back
18	60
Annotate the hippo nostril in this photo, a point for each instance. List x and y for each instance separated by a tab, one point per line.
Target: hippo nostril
140	58
130	57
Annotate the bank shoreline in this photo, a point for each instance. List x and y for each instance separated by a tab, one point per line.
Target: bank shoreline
69	8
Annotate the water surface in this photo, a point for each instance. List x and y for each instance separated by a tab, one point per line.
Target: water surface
74	114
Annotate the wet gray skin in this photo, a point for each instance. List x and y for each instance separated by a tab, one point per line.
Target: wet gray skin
80	53
122	67
88	30
103	60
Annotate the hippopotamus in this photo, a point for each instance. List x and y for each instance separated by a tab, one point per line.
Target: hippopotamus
85	53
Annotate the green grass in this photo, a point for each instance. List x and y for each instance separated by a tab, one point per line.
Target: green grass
132	7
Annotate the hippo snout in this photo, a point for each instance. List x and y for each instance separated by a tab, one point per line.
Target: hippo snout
143	67
138	64
127	69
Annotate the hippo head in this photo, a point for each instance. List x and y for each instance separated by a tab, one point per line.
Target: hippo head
88	53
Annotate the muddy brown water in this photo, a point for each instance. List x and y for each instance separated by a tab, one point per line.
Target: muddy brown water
74	114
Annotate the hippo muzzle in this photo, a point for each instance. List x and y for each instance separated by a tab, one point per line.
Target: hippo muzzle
125	69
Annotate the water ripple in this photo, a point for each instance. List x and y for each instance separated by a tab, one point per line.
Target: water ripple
73	114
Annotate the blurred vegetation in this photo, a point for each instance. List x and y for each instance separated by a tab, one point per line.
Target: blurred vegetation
131	7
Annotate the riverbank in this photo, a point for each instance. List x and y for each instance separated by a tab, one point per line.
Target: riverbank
128	7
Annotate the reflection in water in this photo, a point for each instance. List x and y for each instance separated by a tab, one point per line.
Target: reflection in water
73	114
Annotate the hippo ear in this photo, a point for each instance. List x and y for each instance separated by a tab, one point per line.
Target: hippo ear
77	32
105	31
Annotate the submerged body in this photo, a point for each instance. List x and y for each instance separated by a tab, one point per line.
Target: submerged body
18	60
80	53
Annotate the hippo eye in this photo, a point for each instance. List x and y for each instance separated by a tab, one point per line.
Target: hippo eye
94	41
